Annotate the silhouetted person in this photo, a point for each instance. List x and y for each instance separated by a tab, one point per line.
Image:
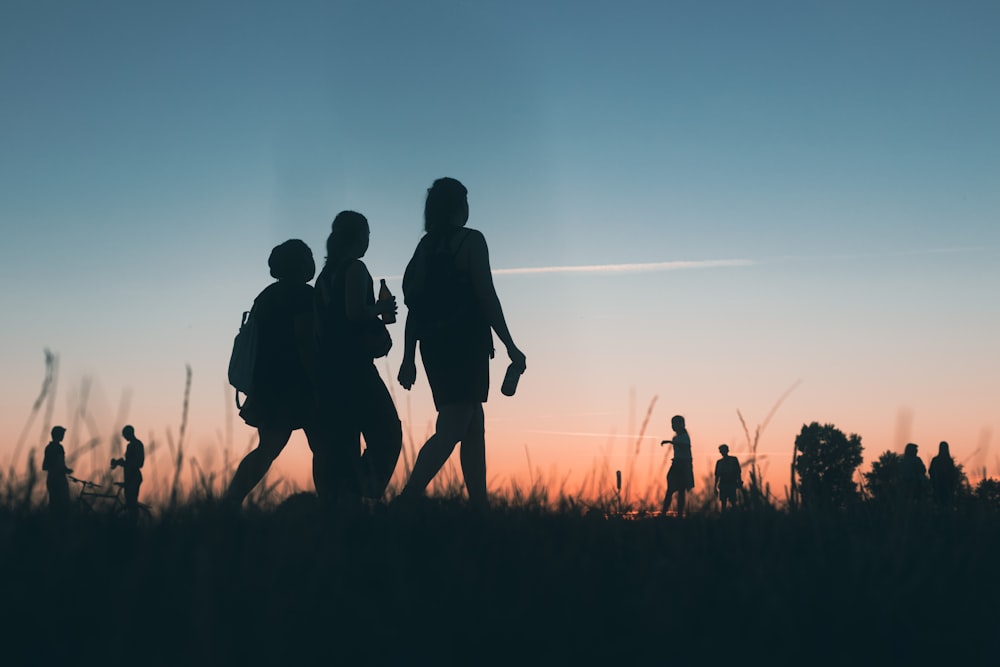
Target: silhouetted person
944	476
281	399
354	399
54	463
912	475
131	464
452	306
728	477
680	477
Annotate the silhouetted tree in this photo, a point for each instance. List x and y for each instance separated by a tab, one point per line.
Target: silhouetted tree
825	463
880	481
988	493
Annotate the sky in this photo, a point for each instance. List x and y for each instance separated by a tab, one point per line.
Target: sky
714	209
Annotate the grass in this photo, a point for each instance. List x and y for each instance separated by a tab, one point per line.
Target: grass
542	577
438	582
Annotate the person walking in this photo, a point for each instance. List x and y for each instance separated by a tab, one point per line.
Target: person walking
281	399
353	398
680	476
728	477
452	308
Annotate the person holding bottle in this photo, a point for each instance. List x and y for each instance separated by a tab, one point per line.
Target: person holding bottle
354	400
452	308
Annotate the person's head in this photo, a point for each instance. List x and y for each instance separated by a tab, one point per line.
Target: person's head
447	205
58	432
943	449
128	432
292	261
724	450
348	238
910	450
677	423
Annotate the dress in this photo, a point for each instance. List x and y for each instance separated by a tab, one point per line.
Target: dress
680	477
456	342
282	394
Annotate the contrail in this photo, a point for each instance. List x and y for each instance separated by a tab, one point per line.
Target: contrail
627	268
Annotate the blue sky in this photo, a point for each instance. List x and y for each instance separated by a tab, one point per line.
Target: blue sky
151	154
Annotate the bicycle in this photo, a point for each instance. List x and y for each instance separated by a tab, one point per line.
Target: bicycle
91	492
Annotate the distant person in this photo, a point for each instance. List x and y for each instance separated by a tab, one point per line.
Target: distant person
912	474
944	476
131	465
54	463
281	399
353	397
452	308
728	477
680	477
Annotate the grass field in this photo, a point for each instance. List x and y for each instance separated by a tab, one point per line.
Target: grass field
527	582
544	577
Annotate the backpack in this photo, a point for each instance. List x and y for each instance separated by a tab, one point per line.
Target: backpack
244	356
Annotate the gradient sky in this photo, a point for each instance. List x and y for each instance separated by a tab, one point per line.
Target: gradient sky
705	203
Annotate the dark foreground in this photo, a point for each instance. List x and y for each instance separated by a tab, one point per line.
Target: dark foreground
438	584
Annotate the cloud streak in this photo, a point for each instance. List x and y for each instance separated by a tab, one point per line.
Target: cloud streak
627	268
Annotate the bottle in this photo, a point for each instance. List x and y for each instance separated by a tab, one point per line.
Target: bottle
384	295
509	385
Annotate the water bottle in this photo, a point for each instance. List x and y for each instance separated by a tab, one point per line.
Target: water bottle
509	385
384	295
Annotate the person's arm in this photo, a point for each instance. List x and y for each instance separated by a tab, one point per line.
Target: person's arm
478	258
408	366
305	342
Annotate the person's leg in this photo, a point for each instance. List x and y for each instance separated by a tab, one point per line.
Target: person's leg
681	495
255	465
319	441
452	424
473	457
131	492
383	434
667	498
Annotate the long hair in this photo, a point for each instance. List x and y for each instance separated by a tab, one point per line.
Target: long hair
347	228
445	199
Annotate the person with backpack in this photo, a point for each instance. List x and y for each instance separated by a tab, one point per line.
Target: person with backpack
353	398
281	398
452	308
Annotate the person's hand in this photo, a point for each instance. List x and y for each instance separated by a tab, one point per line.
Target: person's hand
666	442
517	357
407	373
385	306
